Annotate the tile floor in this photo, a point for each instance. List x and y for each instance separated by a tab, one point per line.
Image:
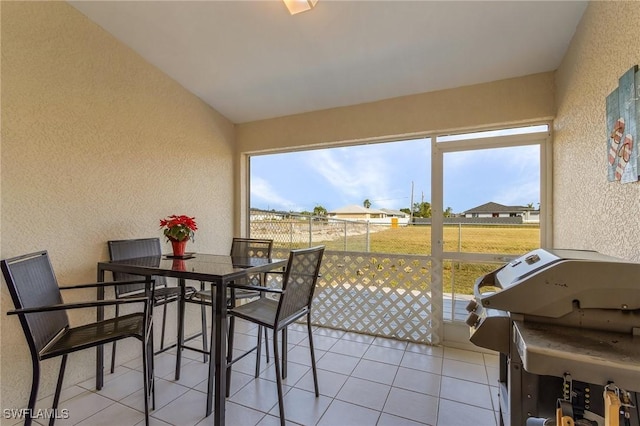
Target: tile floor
363	380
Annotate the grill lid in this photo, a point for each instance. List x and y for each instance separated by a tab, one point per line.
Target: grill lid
552	283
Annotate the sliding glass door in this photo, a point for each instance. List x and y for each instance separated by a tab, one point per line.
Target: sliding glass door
491	188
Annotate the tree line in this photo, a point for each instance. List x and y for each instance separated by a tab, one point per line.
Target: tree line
421	209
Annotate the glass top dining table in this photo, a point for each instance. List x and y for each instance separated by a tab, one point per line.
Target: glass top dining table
218	270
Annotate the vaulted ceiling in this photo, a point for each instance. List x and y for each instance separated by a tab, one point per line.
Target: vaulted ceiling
251	60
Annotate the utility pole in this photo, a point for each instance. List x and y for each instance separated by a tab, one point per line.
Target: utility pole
411	206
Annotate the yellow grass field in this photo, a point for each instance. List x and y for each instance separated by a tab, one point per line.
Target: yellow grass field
512	239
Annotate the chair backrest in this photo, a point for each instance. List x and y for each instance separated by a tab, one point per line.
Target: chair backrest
32	283
251	247
131	249
299	283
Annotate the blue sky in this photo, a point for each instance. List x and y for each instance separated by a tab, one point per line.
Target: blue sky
383	173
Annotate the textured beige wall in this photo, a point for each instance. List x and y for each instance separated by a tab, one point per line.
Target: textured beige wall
96	144
507	101
590	212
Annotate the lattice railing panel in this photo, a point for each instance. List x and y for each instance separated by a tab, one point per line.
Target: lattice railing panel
386	295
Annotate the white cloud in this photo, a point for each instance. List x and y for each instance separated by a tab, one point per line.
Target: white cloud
520	194
353	173
261	190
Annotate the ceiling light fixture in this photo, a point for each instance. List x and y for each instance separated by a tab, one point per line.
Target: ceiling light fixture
297	6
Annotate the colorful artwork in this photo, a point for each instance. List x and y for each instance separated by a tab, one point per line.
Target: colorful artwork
623	116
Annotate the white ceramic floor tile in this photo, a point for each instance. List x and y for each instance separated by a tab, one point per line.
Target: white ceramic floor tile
244	342
302	355
66	394
163	364
153	422
123	385
365	393
363	380
188	409
384	354
453	413
294	373
269	420
303	407
294	337
357	337
238	381
466	392
329	383
495	398
375	371
329	332
338	363
191	374
115	414
389	343
413	406
247	365
464	371
425	349
83	406
237	415
166	392
90	384
350	347
389	420
343	413
258	394
464	355
491	360
418	381
422	362
320	342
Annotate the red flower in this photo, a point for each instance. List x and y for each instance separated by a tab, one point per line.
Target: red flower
179	228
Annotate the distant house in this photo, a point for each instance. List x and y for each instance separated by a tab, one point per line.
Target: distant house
394	213
491	209
356	212
377	216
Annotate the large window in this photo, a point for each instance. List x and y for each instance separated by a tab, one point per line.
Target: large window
470	202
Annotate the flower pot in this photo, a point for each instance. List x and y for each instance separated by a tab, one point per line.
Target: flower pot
179	247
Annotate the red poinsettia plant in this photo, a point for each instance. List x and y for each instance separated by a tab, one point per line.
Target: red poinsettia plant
179	228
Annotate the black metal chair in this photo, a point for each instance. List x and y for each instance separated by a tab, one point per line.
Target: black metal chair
42	313
242	247
163	294
295	300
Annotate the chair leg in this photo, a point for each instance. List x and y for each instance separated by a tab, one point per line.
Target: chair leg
203	312
35	383
113	345
259	349
56	396
266	342
278	378
284	352
164	323
232	323
146	375
152	379
313	356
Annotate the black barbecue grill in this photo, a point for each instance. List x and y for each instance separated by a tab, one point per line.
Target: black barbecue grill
567	326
